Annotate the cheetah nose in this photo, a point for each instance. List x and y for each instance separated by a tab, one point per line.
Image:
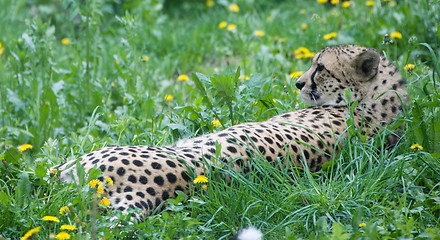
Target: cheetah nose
300	85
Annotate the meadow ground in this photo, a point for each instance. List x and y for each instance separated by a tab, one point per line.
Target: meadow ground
79	75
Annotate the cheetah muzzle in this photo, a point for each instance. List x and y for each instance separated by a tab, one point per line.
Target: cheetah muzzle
146	176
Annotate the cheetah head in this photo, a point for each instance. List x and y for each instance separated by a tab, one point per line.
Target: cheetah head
335	70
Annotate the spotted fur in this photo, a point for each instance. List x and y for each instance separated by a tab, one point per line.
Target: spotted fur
146	176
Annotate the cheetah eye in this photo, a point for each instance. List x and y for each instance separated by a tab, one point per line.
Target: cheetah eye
320	67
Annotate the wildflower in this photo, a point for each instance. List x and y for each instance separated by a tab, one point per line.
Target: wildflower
369	3
109	181
346	4
51	219
409	67
244	77
65	41
64	209
201	179
204	187
24	147
330	36
104	201
296	74
209	3
117	62
303	26
231	27
110	115
396	35
222	24
414	146
362	224
54	171
1	49
94	183
322	1
30	233
63	236
274	100
216	123
145	58
68	227
303	52
99	191
234	8
182	78
259	33
168	98
334	2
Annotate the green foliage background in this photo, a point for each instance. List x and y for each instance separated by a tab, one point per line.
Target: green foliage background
100	89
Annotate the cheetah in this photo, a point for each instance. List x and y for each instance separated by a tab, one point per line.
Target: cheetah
145	176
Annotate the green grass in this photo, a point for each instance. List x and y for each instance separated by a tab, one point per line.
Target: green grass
67	100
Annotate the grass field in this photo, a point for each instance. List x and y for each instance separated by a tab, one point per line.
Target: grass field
79	75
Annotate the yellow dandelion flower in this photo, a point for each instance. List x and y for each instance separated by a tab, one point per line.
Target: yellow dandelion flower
303	26
414	146
104	201
409	67
369	3
396	35
210	3
204	187
303	52
182	78
30	233
244	77
64	210
334	2
216	123
259	33
309	55
346	4
145	58
24	147
53	172
100	190
65	41
362	224
201	179
68	227
63	236
231	27
95	183
109	181
233	8
330	36
296	74
51	219
168	98
222	24
322	1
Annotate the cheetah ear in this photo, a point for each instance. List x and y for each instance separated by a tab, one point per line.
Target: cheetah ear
366	64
